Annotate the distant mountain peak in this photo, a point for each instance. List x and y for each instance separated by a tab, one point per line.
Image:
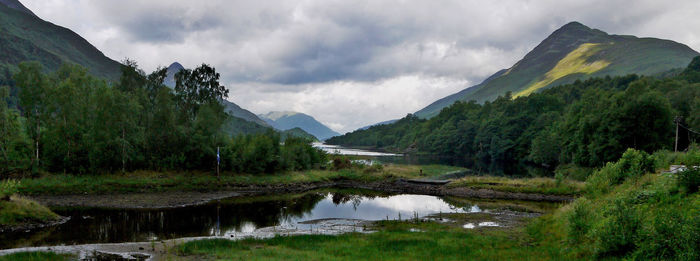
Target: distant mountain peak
573	52
286	120
176	67
15	4
276	115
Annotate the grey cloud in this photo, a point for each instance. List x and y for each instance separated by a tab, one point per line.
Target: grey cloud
268	49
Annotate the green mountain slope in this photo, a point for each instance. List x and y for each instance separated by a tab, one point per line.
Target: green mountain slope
24	36
284	120
571	53
298	133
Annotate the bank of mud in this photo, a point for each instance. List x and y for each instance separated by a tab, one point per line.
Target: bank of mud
157	200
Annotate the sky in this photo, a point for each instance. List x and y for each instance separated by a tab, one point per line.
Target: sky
350	63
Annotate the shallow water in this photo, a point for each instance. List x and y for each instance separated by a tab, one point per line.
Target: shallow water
333	149
235	216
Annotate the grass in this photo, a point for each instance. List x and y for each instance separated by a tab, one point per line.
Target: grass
19	211
523	185
36	256
393	241
148	181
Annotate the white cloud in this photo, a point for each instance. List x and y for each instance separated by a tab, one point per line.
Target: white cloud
350	63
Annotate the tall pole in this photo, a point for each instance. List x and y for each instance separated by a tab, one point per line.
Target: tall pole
218	159
677	120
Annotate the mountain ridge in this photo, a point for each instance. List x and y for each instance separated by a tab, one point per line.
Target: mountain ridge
26	37
285	120
573	52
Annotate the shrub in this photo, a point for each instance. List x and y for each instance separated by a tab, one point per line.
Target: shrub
617	232
632	164
8	188
579	220
689	180
341	163
558	178
671	237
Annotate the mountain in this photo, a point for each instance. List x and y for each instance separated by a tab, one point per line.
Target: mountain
379	123
285	120
25	37
574	52
297	132
230	107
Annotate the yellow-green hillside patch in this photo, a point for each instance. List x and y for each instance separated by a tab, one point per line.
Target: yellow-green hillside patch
574	62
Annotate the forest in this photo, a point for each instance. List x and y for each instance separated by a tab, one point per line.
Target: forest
72	122
586	123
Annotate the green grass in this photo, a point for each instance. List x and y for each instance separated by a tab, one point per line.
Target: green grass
36	256
393	241
20	210
146	181
523	185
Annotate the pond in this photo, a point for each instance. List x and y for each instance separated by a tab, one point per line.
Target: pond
242	216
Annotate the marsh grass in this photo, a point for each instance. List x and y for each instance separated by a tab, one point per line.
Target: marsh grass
523	185
148	181
21	210
393	241
36	256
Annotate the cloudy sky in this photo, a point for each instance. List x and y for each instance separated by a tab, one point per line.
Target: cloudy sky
350	63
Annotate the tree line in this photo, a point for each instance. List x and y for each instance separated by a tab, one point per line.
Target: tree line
70	121
587	123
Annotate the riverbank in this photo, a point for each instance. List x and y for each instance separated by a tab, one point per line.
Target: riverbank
20	213
166	190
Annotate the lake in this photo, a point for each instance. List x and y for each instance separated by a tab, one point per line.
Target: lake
344	210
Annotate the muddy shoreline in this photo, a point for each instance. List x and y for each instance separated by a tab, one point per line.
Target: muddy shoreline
161	200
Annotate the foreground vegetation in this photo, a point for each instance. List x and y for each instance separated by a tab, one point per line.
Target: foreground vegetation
36	256
393	241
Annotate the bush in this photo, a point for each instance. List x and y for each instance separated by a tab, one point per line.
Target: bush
558	178
664	158
689	180
632	164
671	237
341	163
617	232
8	188
579	220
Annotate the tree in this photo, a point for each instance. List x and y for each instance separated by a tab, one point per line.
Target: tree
14	153
32	84
196	87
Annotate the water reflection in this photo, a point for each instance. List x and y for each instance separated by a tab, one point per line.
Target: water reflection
226	217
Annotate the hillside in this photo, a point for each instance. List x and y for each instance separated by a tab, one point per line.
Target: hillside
284	120
573	52
230	107
587	123
297	133
24	37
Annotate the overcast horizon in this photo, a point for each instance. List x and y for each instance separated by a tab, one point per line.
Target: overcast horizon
348	63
